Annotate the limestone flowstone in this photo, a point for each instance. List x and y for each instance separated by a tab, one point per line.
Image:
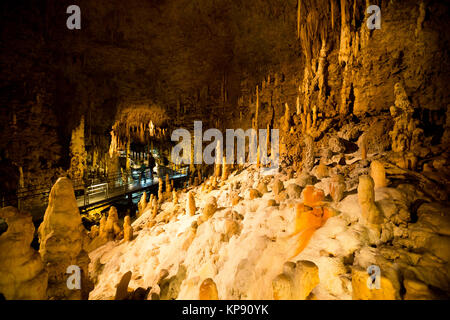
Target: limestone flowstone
61	237
22	273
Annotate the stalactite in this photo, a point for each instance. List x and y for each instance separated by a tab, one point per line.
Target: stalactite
257	108
218	159
344	48
128	162
287	116
314	117
299	5
78	152
332	13
268	138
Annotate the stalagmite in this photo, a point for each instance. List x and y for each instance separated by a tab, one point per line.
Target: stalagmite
22	273
174	197
287	117
78	153
160	190
208	290
363	147
378	174
307	221
112	227
154	208
225	169
258	158
296	282
337	188
321	171
190	204
142	204
168	185
127	229
308	153
209	209
370	213
313	196
102	228
405	135
150	202
61	237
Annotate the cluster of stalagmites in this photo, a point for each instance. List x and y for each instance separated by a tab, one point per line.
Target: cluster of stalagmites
64	246
407	137
404	232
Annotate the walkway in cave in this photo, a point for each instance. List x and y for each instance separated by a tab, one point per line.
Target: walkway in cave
106	194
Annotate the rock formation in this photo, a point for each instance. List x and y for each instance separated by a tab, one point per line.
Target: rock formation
190	204
406	134
142	204
370	213
378	174
208	290
308	155
22	273
61	237
127	229
296	282
112	228
209	209
337	188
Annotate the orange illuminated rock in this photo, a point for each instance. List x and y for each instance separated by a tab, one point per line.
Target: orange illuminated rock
312	196
307	221
208	290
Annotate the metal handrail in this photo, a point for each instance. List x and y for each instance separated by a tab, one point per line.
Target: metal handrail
43	190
